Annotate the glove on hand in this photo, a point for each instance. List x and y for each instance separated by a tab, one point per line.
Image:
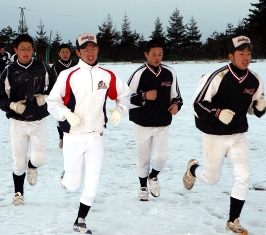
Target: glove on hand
41	99
226	116
72	119
261	104
116	115
19	107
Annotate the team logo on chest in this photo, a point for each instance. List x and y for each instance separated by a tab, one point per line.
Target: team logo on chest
249	91
166	83
102	85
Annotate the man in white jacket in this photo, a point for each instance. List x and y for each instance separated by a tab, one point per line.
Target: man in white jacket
78	101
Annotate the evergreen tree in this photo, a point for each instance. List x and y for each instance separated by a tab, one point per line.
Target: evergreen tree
41	39
107	36
7	35
193	37
230	30
158	33
256	22
41	43
176	31
128	38
241	28
56	41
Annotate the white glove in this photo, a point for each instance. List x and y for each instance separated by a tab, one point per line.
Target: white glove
72	119
261	103
116	115
226	116
19	107
41	99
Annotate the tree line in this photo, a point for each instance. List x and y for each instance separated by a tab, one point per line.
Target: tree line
182	41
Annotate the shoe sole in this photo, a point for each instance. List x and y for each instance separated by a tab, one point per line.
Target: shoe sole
239	233
188	169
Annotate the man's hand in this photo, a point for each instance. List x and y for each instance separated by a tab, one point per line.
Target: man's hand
19	107
41	99
226	116
116	115
72	119
260	103
151	95
173	109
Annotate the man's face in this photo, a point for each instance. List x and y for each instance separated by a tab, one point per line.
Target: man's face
64	54
241	59
155	56
24	52
2	50
89	54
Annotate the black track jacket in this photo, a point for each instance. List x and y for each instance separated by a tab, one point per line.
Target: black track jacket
18	82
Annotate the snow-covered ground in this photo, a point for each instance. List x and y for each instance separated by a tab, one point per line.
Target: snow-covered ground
49	209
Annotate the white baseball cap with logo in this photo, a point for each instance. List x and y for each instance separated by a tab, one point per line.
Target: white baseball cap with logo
84	39
239	43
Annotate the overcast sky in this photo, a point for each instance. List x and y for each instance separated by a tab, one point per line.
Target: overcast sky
71	18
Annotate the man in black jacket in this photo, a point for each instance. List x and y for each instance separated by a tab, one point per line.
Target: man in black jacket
220	105
63	63
24	85
155	97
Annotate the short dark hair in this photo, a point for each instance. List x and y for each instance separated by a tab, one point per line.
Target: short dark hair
151	44
63	46
23	38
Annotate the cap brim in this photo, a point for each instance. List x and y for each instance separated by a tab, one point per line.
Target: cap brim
243	46
85	44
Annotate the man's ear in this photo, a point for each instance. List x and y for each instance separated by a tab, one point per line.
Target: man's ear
230	56
77	53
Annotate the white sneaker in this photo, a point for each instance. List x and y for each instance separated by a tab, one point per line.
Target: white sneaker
81	227
18	199
61	180
154	186
143	194
32	176
189	179
236	227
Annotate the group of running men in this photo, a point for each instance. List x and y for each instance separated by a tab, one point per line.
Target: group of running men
75	94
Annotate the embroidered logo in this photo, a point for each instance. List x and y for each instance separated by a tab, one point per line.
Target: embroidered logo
101	85
166	84
250	91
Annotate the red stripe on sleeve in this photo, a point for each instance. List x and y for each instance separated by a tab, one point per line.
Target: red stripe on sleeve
68	88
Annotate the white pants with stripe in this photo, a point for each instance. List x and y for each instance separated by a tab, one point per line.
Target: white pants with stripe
83	151
28	137
152	148
215	148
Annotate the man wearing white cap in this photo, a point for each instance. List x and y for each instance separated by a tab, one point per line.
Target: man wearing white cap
78	101
220	104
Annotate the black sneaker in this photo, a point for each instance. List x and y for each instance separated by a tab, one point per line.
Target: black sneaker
80	227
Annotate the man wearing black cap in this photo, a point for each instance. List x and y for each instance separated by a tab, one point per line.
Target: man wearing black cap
78	101
220	104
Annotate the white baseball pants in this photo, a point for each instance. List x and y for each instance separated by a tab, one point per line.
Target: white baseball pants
83	151
215	148
152	148
25	136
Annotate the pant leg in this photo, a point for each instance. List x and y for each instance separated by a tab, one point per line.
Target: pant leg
214	149
19	143
238	156
143	136
93	162
160	148
37	132
73	152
